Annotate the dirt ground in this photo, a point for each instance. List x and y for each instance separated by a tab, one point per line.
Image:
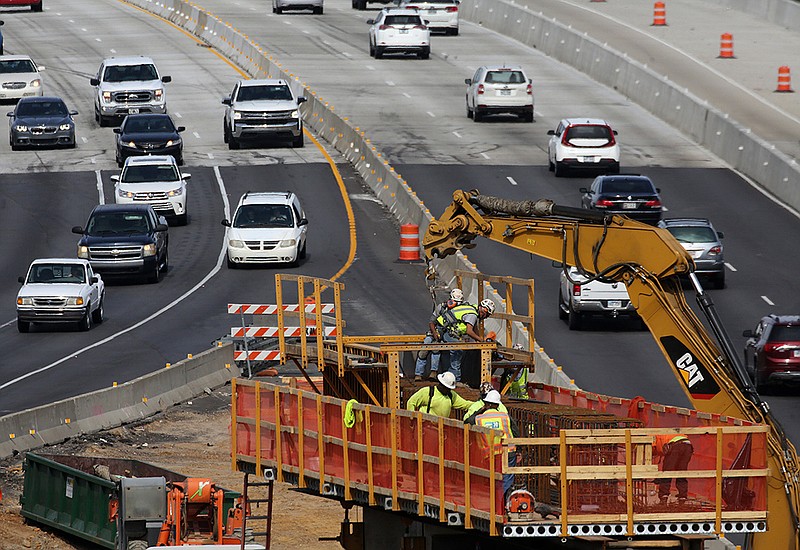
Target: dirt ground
192	439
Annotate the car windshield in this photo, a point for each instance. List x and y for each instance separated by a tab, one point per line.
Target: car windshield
626	186
130	73
505	77
147	123
141	173
589	131
785	333
402	20
271	92
41	108
17	66
263	215
57	273
115	223
694	234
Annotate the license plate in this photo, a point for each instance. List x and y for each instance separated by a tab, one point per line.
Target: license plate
615	303
629	206
697	253
587	159
133	111
505	92
403	31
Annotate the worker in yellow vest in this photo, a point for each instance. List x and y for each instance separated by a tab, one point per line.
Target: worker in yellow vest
490	416
675	452
438	399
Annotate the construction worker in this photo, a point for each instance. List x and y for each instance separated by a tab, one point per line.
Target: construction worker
519	382
490	416
433	335
439	399
675	451
460	321
485	389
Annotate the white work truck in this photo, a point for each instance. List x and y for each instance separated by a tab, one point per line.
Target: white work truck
578	299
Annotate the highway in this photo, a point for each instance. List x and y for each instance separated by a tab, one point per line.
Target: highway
414	112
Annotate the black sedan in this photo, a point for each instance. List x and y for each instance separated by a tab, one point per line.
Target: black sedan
41	121
149	134
631	195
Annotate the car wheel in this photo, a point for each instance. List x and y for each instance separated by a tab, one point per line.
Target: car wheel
165	261
562	307
378	52
761	387
550	165
229	263
23	326
97	314
155	274
361	4
527	117
573	319
15	147
1	50
120	161
103	121
425	53
469	111
37	7
719	281
371	49
85	323
318	11
182	219
278	10
233	143
559	169
299	141
274	9
302	254
477	116
225	133
454	32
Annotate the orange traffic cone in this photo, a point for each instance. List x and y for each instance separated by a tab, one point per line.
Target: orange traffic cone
659	14
726	46
784	80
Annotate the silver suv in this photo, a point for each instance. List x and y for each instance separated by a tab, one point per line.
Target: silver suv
262	109
128	86
497	89
703	243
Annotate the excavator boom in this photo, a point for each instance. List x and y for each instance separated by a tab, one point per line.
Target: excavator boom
650	262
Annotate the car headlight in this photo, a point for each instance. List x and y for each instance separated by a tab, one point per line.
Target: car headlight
37	83
295	114
21	128
83	252
172	142
125	194
149	250
65	126
235	243
76	301
237	115
158	94
175	192
107	97
288	242
131	144
24	301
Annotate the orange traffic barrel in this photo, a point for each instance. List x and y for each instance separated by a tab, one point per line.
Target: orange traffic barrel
311	318
659	14
726	46
409	242
784	80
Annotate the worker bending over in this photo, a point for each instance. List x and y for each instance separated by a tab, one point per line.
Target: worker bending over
439	399
675	451
490	416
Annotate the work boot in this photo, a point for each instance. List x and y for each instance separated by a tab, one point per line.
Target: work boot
432	375
664	499
417	378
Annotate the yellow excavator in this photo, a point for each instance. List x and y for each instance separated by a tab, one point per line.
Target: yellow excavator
651	263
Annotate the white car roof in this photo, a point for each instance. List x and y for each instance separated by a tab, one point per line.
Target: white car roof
267	197
503	67
18	57
60	261
264	82
128	60
150	159
598	121
400	11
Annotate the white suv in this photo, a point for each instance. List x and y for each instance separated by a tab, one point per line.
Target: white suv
128	86
496	89
399	31
583	143
267	228
154	180
440	15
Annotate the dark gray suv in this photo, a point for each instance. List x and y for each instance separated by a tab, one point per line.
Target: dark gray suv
703	243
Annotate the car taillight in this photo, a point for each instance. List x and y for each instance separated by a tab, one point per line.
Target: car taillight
480	89
451	9
715	250
421	27
413	7
611	140
779	350
604	203
529	89
653	204
564	140
576	290
384	27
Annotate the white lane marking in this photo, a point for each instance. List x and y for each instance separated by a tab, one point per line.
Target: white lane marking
289	23
146	320
430	114
93	161
210	155
370	68
729	266
11	322
84	30
112	50
484	155
306	32
357	197
100	195
195	134
389	83
770	302
177	114
84	139
408	95
346	54
511	180
97	40
456	134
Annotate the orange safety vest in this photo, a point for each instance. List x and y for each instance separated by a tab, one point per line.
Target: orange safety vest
497	420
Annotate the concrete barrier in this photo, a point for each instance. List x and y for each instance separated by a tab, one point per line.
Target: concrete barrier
785	13
115	406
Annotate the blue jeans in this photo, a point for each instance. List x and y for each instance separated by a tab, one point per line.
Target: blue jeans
455	356
419	369
508	479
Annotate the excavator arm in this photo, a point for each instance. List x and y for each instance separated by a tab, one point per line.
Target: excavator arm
649	261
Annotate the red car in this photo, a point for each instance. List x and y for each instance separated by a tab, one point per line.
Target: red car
772	350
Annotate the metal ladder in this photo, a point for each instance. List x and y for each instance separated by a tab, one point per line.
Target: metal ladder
247	512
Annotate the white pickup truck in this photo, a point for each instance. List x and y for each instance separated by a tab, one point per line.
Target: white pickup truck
576	301
60	290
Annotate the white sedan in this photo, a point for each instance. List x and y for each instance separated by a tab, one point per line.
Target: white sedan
60	290
399	31
19	77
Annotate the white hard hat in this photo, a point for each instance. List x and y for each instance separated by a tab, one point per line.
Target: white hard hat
456	295
448	380
488	305
492	397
